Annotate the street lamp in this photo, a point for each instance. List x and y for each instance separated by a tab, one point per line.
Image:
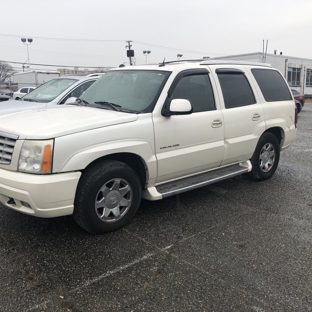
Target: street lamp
146	53
27	42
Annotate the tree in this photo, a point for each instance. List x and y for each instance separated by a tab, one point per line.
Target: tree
6	71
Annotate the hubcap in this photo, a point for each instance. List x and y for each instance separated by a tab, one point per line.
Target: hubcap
113	200
267	157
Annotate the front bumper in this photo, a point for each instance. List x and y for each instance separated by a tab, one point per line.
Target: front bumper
44	196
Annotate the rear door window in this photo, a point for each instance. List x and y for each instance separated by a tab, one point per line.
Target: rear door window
272	85
235	88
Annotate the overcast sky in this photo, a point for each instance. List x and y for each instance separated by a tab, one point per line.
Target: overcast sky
93	33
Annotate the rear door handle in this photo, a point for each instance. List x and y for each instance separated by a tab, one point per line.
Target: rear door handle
256	116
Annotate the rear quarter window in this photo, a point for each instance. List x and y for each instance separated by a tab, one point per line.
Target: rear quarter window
272	85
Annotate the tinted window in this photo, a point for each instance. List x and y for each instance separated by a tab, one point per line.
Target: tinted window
197	89
24	90
272	85
76	92
236	89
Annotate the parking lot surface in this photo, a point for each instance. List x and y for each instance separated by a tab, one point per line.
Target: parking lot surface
236	245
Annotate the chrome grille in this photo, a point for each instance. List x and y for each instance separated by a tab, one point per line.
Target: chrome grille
7	143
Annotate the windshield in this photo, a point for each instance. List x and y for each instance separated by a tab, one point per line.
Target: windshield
127	90
49	91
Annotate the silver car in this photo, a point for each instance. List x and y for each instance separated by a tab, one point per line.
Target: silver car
54	92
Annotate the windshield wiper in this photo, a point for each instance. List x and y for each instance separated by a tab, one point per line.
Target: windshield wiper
30	100
112	105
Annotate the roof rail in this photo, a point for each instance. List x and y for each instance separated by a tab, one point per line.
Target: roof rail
180	61
221	62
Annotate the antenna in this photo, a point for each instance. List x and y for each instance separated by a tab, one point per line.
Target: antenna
163	63
264	54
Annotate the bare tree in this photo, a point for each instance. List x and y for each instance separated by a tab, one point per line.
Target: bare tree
6	71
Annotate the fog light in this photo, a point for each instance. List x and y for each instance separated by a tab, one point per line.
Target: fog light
11	201
25	204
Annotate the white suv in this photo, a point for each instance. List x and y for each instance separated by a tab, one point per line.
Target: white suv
145	131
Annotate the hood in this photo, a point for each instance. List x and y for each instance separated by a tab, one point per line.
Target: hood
13	106
57	121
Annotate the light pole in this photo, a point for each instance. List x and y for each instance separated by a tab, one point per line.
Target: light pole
27	42
146	53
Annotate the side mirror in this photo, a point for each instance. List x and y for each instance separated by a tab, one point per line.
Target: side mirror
177	107
180	106
71	100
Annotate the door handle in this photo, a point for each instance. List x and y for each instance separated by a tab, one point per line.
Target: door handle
256	116
216	123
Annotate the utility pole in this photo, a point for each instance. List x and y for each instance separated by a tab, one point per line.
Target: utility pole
130	53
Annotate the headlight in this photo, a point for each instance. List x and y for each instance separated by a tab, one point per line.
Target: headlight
36	157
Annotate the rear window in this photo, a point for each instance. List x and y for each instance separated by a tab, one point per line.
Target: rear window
272	85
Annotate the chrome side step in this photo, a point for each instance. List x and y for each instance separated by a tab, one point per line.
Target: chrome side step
203	179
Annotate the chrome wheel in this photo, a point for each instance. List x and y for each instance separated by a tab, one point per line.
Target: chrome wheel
267	157
113	200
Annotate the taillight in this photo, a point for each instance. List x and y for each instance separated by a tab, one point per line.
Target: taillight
296	116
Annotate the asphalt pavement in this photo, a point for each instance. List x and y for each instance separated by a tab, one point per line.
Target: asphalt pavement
236	245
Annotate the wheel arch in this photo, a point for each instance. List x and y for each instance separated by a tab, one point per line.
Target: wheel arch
132	160
278	133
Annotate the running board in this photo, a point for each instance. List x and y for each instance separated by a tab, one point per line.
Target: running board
203	179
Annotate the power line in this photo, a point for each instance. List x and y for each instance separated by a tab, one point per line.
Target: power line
107	40
63	39
174	49
54	65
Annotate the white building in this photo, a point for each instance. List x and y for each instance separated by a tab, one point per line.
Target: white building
297	71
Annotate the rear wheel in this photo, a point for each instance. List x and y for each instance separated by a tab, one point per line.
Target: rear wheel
265	158
107	197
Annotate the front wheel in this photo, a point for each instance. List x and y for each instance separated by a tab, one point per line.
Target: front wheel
107	197
265	158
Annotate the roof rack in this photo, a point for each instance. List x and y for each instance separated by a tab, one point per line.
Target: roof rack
220	62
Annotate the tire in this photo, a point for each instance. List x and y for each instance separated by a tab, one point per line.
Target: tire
299	107
265	158
107	197
17	98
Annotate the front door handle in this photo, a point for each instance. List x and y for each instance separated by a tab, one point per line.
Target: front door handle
216	123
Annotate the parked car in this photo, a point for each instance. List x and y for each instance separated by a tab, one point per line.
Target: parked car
4	97
54	92
149	131
7	92
21	92
299	99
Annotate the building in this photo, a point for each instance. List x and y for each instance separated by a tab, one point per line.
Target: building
84	72
297	71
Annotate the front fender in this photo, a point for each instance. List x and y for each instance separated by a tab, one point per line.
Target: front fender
81	158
